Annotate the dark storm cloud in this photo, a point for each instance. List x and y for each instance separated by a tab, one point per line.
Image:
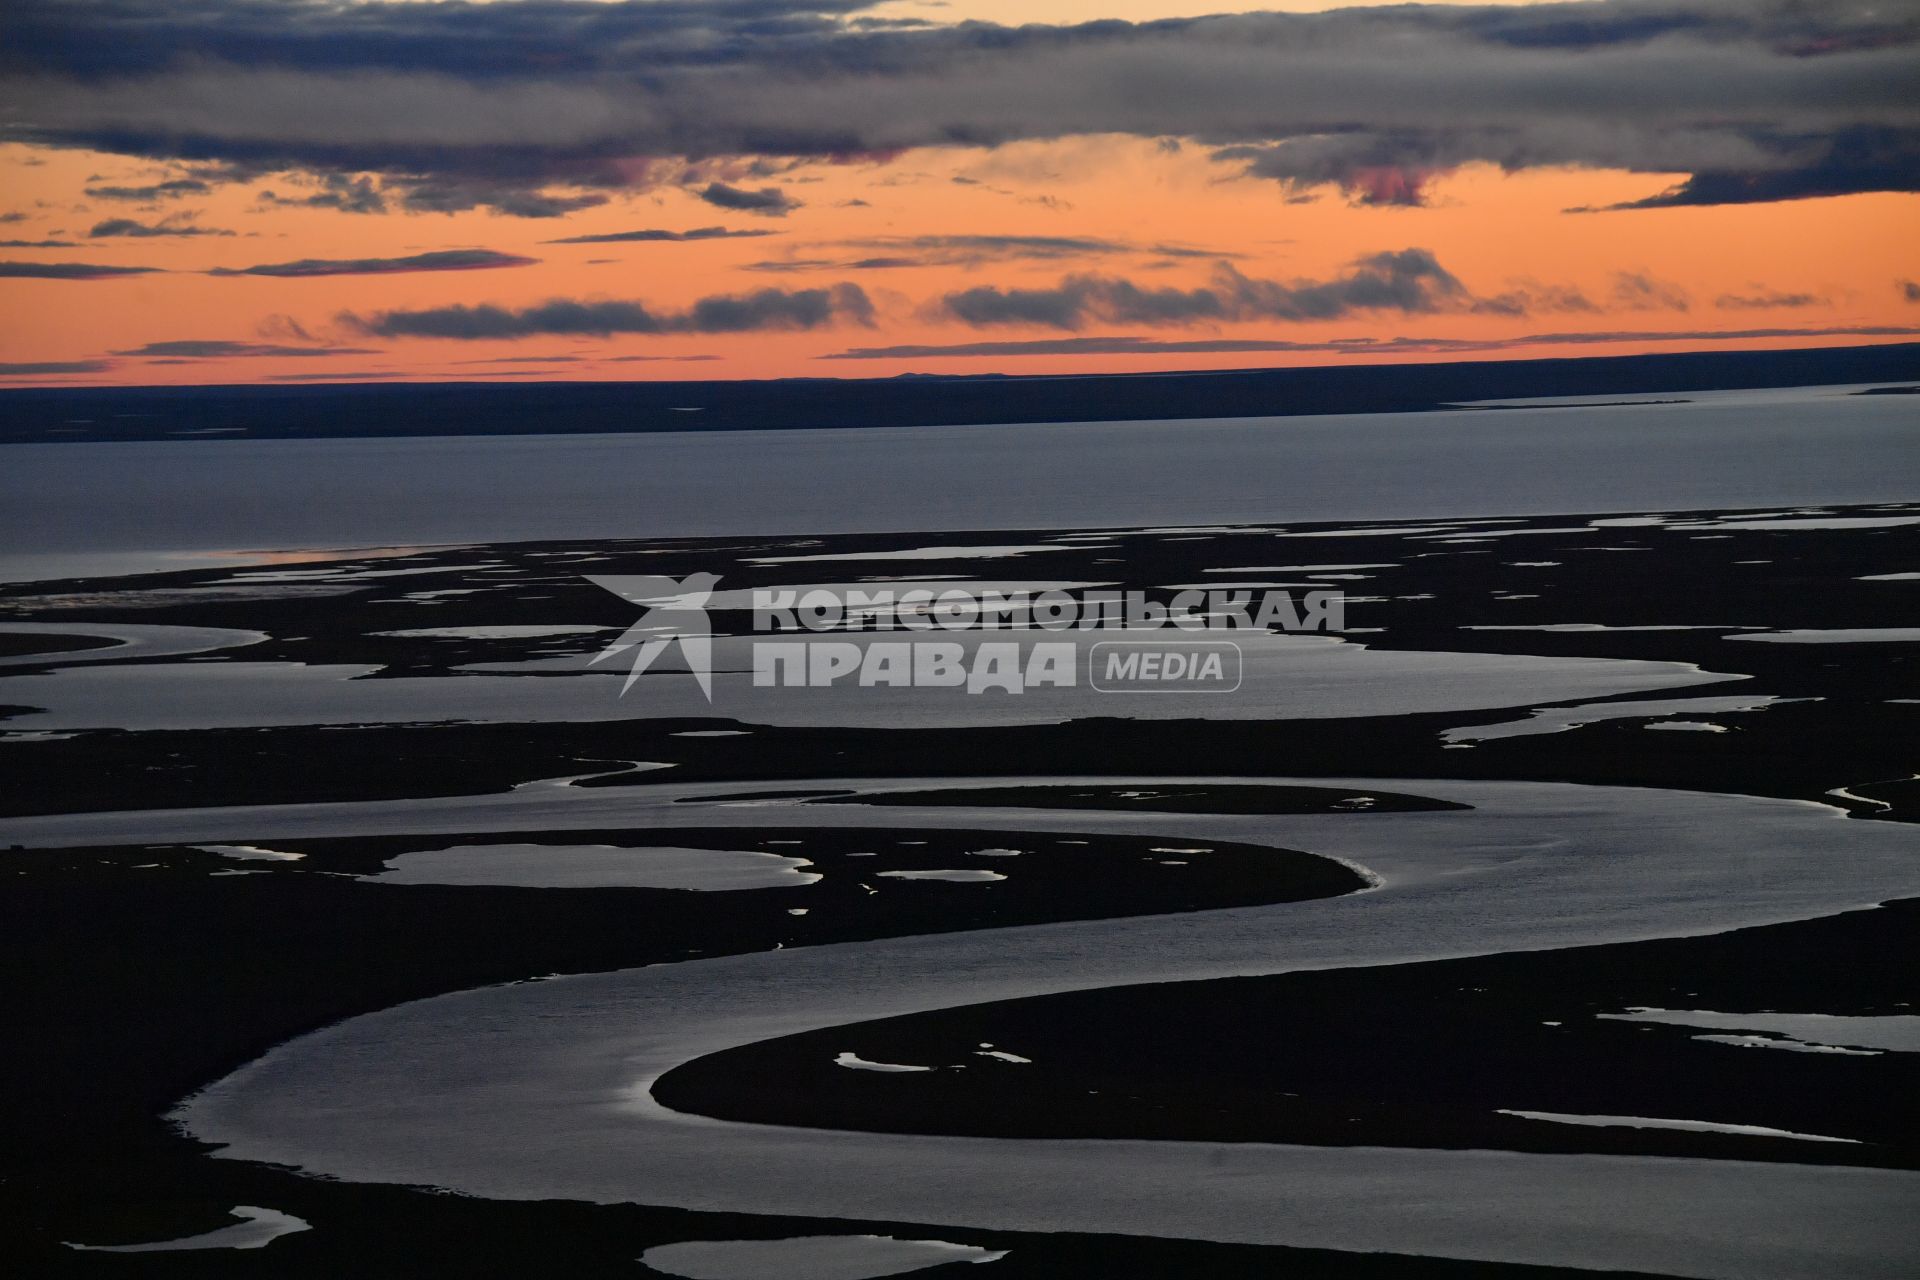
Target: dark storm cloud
1410	281
761	311
1760	100
652	235
217	349
1868	158
769	202
39	244
520	39
1137	345
68	271
131	229
441	260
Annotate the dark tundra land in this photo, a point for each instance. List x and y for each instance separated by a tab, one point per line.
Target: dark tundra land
469	409
136	975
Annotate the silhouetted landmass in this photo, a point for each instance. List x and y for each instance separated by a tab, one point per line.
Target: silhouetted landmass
230	412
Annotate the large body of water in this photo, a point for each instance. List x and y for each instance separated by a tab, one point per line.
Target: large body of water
71	509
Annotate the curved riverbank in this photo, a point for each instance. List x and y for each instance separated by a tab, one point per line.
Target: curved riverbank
542	1090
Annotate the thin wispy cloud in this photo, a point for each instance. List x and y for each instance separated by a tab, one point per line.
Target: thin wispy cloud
651	235
1408	281
1638	291
337	191
41	368
881	253
340	375
439	260
69	271
504	198
1360	346
769	202
171	189
220	349
1768	300
765	310
518	360
131	228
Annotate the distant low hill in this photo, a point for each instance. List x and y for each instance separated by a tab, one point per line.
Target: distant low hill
40	414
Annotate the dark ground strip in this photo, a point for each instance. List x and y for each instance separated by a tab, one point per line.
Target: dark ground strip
469	409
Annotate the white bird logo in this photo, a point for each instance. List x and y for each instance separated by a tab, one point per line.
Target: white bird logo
676	611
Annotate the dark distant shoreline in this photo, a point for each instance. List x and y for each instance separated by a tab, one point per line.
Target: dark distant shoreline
311	411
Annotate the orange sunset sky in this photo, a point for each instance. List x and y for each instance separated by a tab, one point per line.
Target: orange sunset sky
1054	252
